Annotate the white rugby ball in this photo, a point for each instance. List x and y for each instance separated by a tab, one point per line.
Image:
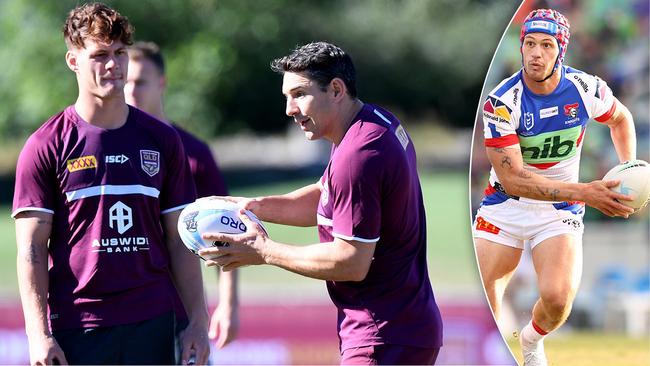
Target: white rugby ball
635	182
210	216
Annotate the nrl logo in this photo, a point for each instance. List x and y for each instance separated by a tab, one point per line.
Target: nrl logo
529	120
150	162
190	221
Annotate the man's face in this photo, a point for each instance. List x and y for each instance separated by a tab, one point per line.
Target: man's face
310	106
100	67
144	85
539	51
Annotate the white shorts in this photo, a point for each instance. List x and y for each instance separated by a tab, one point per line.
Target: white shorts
516	223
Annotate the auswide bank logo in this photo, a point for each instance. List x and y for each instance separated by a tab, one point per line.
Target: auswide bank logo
120	219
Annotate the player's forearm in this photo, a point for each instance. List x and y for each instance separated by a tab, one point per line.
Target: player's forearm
297	208
524	183
623	135
33	229
228	288
186	273
517	181
324	261
33	282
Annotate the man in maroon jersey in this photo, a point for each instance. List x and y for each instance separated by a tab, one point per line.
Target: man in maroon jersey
369	211
144	89
104	183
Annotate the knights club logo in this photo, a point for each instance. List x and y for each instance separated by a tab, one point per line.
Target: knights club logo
571	110
150	162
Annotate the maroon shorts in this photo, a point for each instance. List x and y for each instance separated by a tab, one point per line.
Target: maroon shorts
389	354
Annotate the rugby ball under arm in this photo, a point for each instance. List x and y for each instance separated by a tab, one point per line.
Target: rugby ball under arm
635	182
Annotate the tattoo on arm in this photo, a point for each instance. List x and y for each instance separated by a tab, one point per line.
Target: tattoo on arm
544	192
32	256
506	161
554	194
525	174
44	222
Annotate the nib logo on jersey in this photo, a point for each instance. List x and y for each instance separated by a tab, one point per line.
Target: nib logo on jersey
547	149
120	219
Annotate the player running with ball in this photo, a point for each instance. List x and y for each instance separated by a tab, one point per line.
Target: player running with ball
534	124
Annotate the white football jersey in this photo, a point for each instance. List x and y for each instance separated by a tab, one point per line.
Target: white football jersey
548	128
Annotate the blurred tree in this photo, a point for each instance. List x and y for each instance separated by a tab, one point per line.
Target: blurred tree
424	59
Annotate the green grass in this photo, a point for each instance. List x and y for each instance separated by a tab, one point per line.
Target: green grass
9	284
592	349
452	266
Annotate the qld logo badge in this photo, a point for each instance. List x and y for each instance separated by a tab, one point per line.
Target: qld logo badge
150	162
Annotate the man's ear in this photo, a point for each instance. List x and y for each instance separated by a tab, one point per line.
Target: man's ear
338	88
71	61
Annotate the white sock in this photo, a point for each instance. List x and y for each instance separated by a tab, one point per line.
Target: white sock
530	335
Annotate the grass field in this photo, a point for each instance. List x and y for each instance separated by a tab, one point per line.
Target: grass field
592	349
450	253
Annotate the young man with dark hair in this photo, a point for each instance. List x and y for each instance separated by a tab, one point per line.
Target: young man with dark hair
534	124
104	183
369	211
144	89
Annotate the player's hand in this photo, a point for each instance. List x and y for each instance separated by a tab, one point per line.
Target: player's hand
195	347
224	324
598	195
242	249
250	204
44	350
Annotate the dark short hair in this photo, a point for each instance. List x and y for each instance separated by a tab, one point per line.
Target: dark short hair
147	51
98	22
321	62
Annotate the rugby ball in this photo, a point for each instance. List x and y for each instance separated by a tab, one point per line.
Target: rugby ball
210	216
635	182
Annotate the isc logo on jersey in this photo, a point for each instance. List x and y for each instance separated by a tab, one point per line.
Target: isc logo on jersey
550	147
116	159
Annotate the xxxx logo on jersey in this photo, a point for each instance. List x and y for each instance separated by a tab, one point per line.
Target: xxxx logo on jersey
81	163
